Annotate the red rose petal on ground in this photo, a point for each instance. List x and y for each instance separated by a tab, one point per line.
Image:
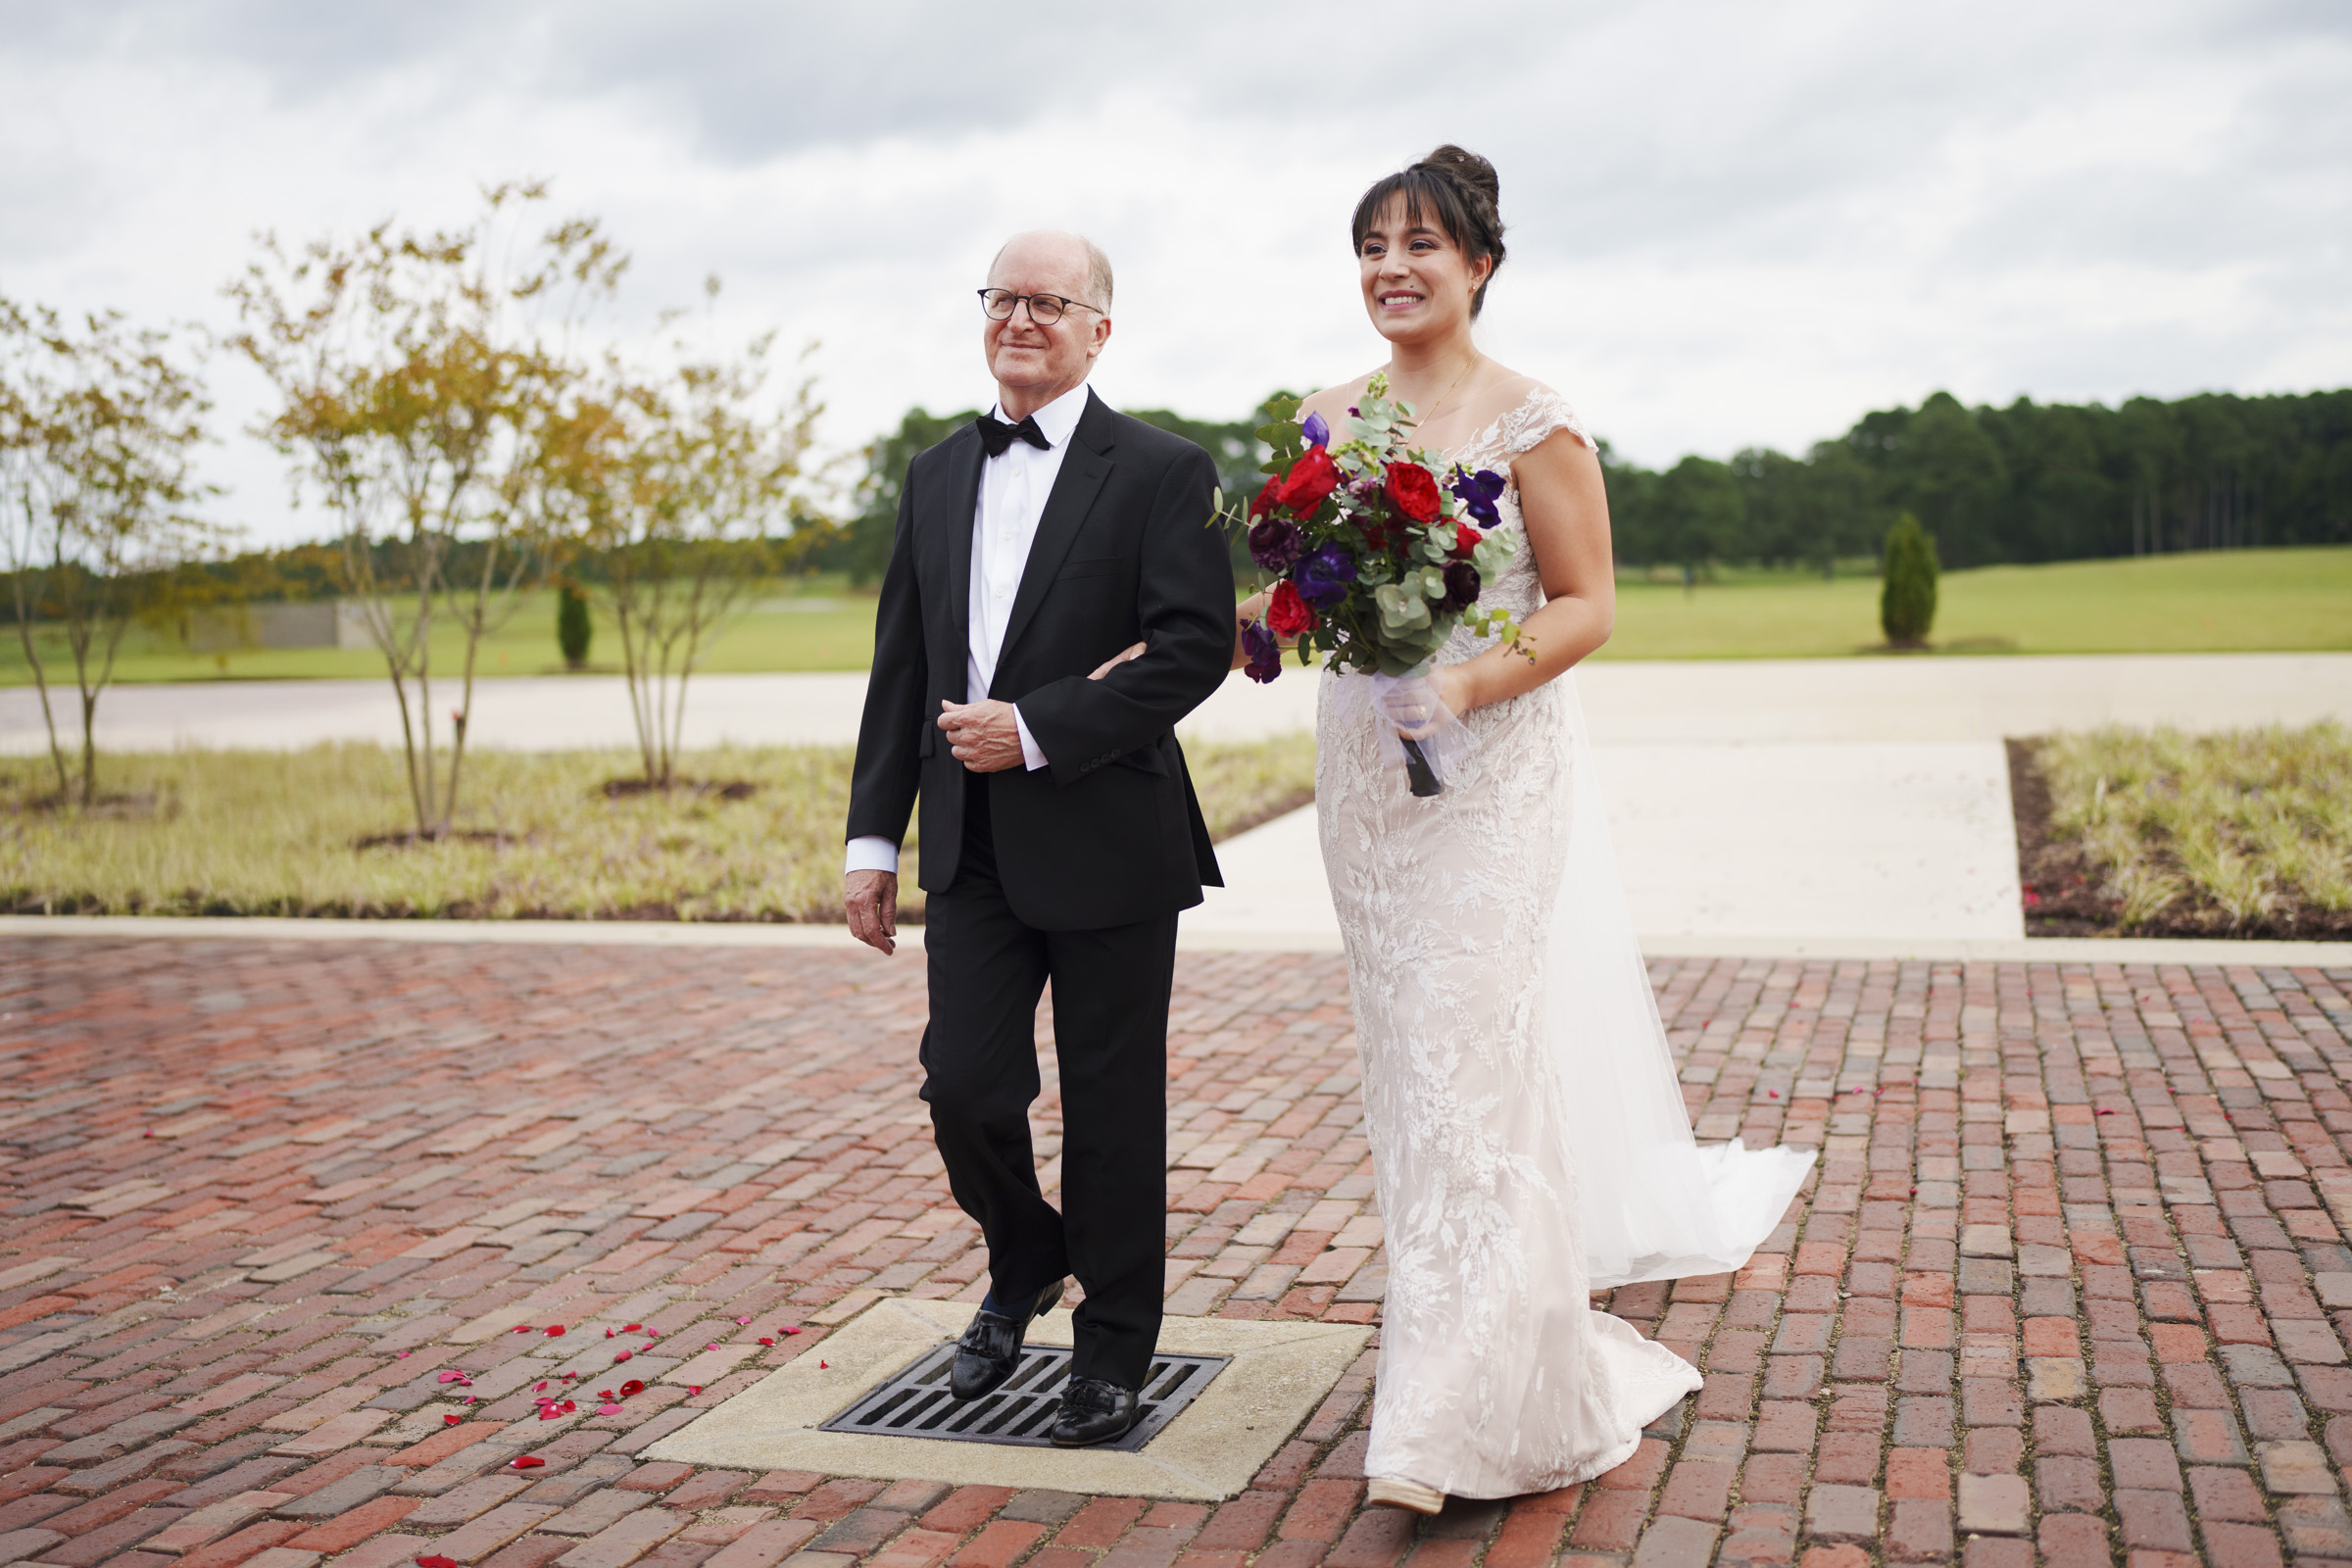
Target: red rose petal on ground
608	1408
631	1387
555	1331
792	1331
528	1461
551	1412
607	1333
542	1388
604	1394
765	1340
632	1328
622	1357
693	1389
568	1408
451	1420
525	1328
436	1563
824	1366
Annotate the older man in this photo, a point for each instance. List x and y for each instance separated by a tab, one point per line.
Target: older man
1053	606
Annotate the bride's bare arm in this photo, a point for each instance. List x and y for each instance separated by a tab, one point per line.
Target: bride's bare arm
1566	508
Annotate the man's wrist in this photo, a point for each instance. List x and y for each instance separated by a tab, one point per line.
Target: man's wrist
871	852
1031	754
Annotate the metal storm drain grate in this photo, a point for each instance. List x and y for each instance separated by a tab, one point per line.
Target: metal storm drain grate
916	1403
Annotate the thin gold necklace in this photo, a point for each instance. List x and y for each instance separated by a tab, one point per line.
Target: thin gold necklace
1424	421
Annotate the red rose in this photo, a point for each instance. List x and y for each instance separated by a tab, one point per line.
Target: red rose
1310	479
1288	615
1466	538
1414	490
1268	498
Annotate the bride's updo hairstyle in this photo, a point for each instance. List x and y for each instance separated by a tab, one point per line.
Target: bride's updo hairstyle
1459	189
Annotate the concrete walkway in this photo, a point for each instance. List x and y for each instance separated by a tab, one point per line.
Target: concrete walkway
1753	801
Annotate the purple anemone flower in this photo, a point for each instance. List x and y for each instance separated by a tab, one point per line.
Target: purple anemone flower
1318	434
1478	492
1323	577
1264	654
1275	542
1461	586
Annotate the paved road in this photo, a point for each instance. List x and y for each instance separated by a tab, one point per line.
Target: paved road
257	1199
1765	799
1819	699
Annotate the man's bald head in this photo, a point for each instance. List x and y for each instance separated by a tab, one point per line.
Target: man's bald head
1055	250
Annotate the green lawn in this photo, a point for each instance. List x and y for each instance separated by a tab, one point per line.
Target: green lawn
2235	600
817	624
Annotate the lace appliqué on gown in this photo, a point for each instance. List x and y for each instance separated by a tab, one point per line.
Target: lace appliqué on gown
1495	1375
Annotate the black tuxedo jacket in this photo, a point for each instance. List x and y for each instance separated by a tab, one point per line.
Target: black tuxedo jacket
1110	833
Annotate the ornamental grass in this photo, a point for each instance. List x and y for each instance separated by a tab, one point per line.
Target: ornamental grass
2242	830
754	834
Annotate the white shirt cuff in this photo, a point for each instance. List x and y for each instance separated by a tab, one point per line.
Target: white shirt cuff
1029	752
872	854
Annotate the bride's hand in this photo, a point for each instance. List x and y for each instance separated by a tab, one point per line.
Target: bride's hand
1115	660
1420	707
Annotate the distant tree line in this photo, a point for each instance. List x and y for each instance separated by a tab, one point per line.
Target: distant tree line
2029	482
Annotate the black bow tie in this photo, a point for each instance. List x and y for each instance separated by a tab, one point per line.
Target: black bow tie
998	437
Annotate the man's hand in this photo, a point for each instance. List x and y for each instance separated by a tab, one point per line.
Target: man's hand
982	735
872	900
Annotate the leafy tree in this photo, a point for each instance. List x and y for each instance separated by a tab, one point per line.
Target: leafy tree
1907	592
863	550
676	478
421	381
1701	514
98	425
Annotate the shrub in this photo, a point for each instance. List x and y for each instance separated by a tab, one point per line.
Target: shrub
572	628
1907	599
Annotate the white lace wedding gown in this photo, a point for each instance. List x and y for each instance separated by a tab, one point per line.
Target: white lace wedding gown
1529	1139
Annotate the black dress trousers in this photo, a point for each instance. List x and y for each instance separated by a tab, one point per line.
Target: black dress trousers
979	1055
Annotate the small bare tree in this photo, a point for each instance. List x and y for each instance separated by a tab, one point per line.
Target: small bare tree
420	378
98	425
687	489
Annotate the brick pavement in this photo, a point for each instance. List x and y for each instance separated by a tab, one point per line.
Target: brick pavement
2071	1279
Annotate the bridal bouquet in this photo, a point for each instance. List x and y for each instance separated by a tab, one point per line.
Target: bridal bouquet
1374	558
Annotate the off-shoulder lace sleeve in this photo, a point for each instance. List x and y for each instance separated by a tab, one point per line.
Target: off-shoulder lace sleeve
1544	411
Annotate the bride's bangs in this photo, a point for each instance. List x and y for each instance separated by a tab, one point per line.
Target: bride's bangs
1423	192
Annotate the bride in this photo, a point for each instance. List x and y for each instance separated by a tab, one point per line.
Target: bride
1528	1134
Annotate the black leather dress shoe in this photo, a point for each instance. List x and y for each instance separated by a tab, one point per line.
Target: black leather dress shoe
990	1347
1092	1411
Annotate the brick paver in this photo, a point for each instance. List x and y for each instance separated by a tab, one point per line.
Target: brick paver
285	1231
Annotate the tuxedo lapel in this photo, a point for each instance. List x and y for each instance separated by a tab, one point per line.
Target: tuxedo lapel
1083	470
953	518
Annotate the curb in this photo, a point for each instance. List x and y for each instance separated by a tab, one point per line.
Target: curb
746	934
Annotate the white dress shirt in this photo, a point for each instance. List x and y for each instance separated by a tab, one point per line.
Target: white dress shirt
1014	488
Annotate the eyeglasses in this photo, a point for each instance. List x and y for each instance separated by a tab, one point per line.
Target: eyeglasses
1043	309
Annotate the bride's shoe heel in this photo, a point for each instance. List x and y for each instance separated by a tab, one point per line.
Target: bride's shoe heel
1410	1494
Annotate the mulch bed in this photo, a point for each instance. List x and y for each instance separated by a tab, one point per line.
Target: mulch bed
2065	895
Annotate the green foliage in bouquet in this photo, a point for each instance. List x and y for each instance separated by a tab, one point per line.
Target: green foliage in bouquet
1376	559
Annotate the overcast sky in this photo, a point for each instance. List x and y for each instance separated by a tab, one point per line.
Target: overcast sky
1731	225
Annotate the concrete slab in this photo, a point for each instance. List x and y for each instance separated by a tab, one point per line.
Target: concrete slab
1888	841
1281	1370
